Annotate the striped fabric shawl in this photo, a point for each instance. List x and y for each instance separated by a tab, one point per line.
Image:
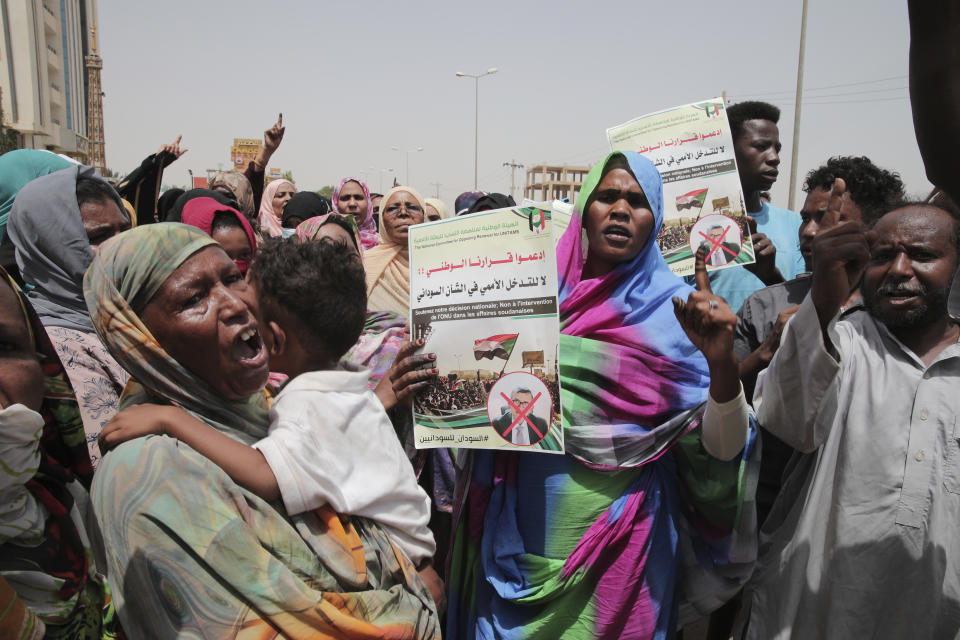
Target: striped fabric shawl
636	526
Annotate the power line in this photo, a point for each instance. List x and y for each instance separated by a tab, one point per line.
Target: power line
859	101
834	95
830	86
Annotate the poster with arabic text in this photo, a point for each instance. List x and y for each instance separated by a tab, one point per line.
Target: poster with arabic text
483	296
692	147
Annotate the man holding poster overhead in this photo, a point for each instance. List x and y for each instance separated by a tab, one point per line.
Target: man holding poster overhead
756	143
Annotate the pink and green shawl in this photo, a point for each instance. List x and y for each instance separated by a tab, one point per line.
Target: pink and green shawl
190	552
636	526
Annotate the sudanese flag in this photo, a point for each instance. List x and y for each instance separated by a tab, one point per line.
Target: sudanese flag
498	346
692	200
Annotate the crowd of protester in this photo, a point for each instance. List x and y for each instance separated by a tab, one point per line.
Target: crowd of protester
674	236
451	395
207	426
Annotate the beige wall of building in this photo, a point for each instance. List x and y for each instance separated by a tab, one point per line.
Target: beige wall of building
554	182
43	74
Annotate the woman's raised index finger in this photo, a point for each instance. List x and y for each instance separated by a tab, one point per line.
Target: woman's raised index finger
700	276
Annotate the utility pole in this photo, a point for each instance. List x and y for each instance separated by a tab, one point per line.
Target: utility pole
436	185
795	152
513	172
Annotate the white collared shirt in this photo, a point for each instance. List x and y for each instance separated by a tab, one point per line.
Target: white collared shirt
331	442
863	540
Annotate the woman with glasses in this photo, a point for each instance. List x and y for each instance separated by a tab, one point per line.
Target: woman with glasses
388	269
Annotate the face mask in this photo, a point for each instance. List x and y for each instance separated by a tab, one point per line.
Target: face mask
286	233
20	513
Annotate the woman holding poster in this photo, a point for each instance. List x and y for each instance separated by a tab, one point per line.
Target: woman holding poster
645	519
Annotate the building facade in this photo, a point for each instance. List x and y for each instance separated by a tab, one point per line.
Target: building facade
44	73
554	182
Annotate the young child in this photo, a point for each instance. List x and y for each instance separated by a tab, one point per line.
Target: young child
330	440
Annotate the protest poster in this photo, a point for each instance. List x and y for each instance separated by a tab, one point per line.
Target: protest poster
483	296
692	147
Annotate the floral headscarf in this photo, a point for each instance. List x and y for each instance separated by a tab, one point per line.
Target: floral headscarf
368	227
127	272
237	184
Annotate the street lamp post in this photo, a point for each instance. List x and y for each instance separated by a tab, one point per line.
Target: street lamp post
409	151
476	115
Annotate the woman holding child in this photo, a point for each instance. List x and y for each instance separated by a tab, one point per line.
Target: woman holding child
637	524
188	547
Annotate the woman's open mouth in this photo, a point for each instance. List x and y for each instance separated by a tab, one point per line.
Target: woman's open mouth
248	348
617	235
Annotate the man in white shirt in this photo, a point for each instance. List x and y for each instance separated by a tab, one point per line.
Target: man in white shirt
862	541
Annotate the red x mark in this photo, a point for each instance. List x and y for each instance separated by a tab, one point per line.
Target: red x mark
522	414
717	244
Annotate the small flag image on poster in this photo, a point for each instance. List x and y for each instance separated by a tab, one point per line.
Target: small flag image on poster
499	346
692	200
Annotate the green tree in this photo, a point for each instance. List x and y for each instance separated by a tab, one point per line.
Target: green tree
288	175
326	192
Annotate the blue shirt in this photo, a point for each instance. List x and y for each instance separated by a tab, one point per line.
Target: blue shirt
735	284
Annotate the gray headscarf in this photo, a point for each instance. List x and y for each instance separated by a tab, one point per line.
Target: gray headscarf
237	184
52	248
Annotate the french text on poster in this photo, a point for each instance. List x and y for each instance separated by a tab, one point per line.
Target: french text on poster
483	296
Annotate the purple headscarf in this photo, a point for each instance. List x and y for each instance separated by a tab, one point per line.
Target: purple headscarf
368	228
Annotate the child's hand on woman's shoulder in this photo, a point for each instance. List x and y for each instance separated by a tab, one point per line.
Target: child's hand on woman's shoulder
138	421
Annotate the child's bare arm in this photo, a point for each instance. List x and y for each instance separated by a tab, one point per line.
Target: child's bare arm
245	465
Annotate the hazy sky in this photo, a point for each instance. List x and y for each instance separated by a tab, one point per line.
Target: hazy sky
353	79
